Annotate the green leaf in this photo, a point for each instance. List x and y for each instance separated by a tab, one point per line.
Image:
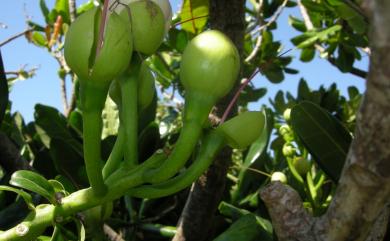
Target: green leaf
68	162
275	75
60	8
85	7
178	39
3	90
320	36
247	228
307	54
34	182
50	123
323	135
250	94
297	24
44	10
26	197
194	14
231	211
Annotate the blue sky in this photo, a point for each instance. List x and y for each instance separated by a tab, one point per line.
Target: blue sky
45	87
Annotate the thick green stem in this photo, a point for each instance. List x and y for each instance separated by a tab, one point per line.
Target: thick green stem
196	113
128	83
115	158
92	129
210	147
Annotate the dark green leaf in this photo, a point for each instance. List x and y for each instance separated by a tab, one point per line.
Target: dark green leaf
325	138
68	162
26	197
34	182
248	228
297	23
275	75
307	54
44	10
52	124
3	90
231	211
251	95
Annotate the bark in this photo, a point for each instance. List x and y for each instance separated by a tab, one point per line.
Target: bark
197	215
364	187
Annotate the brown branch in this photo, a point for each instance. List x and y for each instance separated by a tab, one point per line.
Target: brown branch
289	218
111	234
309	25
10	39
360	203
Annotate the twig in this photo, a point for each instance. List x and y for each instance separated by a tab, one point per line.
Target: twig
274	17
187	20
15	36
309	25
237	94
72	10
73	97
111	234
64	96
102	27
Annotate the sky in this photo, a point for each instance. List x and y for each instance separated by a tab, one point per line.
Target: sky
44	87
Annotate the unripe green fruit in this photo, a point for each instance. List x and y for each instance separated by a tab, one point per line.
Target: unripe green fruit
278	176
302	165
210	64
286	132
147	25
244	129
287	114
81	43
288	150
146	87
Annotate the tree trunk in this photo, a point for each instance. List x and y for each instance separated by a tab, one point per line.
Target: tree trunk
364	188
196	220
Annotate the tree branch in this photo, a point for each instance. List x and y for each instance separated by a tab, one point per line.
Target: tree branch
72	10
10	39
363	192
309	25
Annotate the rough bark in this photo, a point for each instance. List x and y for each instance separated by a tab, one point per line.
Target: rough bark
197	216
364	187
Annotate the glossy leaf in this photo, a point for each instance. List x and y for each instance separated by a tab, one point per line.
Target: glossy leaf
26	197
52	124
194	14
44	10
247	228
34	182
3	90
39	39
325	138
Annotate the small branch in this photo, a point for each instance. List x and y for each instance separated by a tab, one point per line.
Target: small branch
274	17
73	97
72	10
111	234
289	218
102	27
187	20
309	25
64	96
237	94
15	36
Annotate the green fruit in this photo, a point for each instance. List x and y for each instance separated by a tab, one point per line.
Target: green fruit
286	114
288	150
244	129
146	87
147	25
302	165
210	64
81	43
278	176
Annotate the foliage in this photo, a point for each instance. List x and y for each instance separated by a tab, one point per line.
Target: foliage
312	129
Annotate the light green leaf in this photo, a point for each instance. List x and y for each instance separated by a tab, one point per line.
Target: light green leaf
33	182
194	14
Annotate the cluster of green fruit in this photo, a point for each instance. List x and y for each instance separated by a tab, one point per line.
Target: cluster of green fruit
114	64
109	60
